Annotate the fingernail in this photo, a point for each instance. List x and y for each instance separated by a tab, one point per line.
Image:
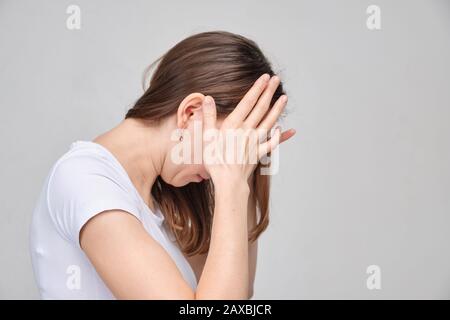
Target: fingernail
278	128
265	77
207	100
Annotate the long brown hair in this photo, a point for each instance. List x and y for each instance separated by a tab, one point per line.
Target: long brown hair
223	65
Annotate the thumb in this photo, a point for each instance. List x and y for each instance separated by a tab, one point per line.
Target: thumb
209	113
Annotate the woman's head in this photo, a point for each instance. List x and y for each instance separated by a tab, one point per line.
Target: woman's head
218	64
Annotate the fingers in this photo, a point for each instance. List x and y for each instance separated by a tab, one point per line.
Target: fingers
258	112
249	100
270	144
286	135
209	113
270	119
274	141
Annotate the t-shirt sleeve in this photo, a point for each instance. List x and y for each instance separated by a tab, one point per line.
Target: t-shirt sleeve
78	189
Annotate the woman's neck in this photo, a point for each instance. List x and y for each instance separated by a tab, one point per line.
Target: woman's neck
139	149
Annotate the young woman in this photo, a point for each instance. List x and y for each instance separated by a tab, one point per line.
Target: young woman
119	218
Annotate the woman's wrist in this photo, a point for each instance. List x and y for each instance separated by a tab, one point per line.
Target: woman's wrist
231	184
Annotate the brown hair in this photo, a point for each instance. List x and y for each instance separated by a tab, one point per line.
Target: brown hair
223	65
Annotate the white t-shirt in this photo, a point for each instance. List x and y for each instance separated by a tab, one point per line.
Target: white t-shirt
85	181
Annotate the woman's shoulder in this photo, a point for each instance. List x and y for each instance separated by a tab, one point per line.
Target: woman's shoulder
87	166
85	157
84	182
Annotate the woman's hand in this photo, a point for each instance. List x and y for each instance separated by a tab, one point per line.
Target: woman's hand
232	151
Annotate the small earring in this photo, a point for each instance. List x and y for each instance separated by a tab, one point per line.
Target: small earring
180	133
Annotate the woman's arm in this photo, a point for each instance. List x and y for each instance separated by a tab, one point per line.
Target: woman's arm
252	246
131	263
226	271
197	262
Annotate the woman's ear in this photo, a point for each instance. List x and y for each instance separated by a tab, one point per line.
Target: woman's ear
190	109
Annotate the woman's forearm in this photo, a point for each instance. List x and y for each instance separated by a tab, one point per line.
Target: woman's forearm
226	271
252	246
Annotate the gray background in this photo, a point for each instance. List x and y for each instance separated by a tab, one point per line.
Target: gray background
365	181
